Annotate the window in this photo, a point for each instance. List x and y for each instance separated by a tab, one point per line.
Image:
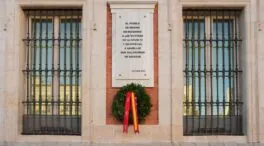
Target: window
52	72
212	99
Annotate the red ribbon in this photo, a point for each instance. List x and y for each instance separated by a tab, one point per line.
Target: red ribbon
126	112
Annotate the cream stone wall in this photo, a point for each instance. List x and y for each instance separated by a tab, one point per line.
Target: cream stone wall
170	83
2	64
260	62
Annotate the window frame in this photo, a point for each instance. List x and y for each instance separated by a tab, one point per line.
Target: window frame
55	70
208	21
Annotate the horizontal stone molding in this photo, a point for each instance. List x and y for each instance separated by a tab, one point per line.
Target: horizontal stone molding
132	4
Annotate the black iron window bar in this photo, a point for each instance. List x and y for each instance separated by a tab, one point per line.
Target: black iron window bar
212	46
52	104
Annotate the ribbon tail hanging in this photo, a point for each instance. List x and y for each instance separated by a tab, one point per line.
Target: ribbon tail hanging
137	115
126	112
134	112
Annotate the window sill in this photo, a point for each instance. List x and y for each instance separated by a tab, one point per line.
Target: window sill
50	138
215	139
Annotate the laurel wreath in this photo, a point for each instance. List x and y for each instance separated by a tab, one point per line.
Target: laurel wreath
143	102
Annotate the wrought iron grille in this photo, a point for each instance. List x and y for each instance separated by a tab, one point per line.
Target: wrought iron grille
52	72
212	46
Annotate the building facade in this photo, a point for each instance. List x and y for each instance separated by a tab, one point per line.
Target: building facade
63	61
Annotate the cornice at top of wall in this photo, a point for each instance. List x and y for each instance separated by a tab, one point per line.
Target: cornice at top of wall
132	1
132	4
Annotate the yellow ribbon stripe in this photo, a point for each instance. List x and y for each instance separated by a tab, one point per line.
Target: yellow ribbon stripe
134	113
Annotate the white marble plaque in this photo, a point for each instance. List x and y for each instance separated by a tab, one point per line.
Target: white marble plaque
132	50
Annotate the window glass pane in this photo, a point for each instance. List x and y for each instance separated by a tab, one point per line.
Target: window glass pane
194	52
70	59
223	51
41	58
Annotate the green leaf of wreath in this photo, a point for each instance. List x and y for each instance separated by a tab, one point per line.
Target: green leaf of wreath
143	102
